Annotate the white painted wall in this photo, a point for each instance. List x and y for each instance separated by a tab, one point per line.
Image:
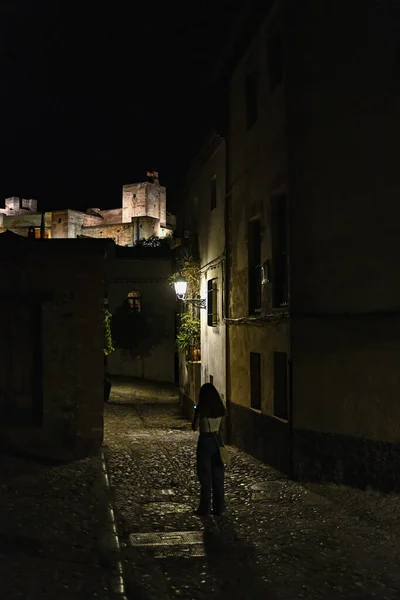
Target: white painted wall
209	225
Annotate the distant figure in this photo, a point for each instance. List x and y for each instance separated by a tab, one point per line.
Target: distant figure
210	470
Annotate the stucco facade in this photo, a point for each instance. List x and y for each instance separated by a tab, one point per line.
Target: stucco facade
203	217
311	239
257	325
344	240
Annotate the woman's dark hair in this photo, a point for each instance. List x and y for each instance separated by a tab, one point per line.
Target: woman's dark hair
210	403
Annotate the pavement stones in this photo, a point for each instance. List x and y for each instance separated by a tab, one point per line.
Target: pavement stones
54	531
280	540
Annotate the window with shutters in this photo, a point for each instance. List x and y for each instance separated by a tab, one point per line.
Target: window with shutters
255	380
212	303
254	266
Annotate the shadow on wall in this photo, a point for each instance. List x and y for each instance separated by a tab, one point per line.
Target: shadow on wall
139	338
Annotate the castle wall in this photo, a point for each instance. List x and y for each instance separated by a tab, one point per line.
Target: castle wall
66	223
120	233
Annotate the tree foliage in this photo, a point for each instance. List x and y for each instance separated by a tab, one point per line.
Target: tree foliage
189	268
153	242
137	332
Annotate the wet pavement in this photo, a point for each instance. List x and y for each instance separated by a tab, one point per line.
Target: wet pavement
279	540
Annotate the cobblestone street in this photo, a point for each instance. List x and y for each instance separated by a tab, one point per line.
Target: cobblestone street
280	540
55	533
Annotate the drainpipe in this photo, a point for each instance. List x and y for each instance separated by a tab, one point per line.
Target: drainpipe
227	231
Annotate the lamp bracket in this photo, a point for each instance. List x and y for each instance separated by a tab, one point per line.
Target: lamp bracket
198	302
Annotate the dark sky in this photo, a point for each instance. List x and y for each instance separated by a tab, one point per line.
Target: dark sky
95	93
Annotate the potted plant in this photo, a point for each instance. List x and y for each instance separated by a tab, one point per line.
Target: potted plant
188	337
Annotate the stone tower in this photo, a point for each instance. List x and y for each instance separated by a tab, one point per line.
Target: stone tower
145	199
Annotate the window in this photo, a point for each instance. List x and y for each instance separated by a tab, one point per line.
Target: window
275	60
280	385
251	98
213	193
59	220
212	303
280	285
134	301
255	380
254	266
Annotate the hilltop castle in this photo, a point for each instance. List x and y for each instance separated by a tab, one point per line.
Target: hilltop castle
143	214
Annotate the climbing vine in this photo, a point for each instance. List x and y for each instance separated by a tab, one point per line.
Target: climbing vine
108	341
188	335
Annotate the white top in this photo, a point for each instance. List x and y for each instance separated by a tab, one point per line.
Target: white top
208	425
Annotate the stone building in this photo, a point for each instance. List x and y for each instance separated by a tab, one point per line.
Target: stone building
143	214
51	345
311	316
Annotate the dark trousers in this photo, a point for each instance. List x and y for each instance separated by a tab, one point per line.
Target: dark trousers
210	472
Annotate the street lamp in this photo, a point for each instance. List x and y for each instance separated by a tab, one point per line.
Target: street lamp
180	285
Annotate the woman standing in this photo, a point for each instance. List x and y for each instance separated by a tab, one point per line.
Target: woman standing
210	470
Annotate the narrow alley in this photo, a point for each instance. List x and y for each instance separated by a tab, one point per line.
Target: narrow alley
280	539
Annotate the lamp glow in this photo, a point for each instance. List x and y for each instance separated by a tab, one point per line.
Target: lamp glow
180	285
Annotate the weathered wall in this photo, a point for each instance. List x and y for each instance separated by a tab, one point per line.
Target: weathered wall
66	224
345	399
164	218
145	227
59	224
24	221
112	215
344	239
156	202
209	226
65	394
29	204
133	201
189	385
257	171
343	159
20	224
150	279
12	205
144	199
121	234
92	220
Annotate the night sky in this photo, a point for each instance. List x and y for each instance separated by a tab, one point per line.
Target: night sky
95	93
